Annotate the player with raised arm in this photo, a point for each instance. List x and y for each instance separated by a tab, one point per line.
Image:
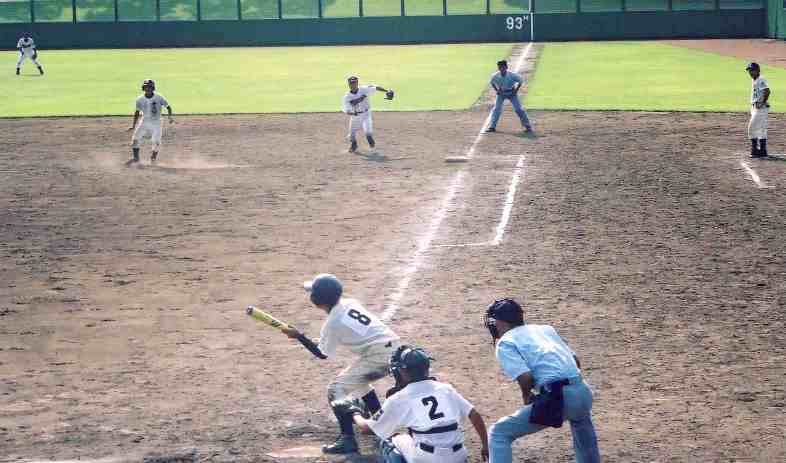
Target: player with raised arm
356	104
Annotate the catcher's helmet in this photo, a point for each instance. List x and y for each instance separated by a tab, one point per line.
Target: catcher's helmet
325	289
506	310
149	83
413	359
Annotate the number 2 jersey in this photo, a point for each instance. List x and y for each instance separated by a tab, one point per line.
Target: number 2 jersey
432	411
350	324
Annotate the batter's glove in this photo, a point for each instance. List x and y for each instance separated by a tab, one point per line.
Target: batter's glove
349	407
389	94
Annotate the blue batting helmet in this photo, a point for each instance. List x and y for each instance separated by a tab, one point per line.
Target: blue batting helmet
325	289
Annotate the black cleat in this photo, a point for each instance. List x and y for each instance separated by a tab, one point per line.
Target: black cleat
343	445
17	71
153	157
491	130
353	147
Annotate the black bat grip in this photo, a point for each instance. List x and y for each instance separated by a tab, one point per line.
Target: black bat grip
313	348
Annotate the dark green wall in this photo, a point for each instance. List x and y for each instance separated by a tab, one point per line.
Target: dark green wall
378	30
394	30
650	25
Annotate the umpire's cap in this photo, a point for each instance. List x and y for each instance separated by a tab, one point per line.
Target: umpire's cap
325	289
752	66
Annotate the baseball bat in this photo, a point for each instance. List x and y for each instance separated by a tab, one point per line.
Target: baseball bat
266	318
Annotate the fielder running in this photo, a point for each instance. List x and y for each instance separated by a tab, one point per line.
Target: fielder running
349	324
507	85
27	50
356	104
149	105
431	411
760	110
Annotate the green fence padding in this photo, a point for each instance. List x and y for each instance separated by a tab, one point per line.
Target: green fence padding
650	25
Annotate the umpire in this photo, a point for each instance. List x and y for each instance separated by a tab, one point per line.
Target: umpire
537	358
507	85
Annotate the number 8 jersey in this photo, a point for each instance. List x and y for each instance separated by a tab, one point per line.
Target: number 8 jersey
350	324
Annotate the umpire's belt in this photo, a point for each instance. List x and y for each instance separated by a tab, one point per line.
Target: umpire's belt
548	387
437	430
430	448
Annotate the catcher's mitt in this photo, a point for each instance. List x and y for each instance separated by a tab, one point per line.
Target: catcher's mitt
350	407
389	94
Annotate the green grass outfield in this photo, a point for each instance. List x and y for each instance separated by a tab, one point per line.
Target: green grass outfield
647	76
247	80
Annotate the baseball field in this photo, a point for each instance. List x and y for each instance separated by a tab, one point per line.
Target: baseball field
631	221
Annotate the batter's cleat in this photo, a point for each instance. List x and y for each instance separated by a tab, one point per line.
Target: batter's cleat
153	157
491	130
353	147
343	445
370	140
41	70
17	71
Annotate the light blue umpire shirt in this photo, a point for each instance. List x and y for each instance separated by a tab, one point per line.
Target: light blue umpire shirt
507	82
538	350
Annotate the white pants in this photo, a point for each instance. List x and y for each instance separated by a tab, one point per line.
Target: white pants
414	454
362	120
757	127
359	376
23	56
152	128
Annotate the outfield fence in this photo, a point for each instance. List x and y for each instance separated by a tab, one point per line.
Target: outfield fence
47	11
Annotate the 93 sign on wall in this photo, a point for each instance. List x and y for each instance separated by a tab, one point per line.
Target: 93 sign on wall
517	22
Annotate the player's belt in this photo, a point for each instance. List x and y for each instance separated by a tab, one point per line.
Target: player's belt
437	430
430	448
360	112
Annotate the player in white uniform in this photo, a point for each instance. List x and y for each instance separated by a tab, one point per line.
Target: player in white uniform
27	50
356	104
350	325
149	105
431	411
760	110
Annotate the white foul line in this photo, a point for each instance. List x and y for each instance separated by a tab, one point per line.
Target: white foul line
425	241
503	222
753	175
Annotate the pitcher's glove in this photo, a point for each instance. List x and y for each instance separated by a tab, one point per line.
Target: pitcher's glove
389	94
350	407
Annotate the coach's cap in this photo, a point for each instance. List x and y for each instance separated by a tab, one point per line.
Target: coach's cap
352	79
752	66
325	289
502	63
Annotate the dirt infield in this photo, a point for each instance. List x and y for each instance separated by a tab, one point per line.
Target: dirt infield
647	239
653	253
763	51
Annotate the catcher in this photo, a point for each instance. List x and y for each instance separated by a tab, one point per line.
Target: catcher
431	411
356	105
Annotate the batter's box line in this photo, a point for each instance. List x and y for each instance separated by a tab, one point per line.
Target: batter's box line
755	176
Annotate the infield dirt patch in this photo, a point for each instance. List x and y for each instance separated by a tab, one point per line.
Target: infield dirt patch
639	236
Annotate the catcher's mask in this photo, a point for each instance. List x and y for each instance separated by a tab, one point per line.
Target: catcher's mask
149	83
325	289
506	310
415	360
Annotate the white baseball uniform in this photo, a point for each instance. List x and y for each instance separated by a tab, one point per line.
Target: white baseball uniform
151	119
433	413
360	111
351	325
757	126
27	45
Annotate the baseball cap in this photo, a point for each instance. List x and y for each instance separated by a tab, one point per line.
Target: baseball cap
502	63
752	66
506	310
325	289
352	79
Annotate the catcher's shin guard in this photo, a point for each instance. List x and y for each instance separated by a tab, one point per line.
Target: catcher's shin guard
370	140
